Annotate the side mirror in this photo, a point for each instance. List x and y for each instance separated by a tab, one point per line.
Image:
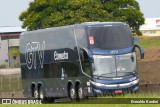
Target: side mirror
141	51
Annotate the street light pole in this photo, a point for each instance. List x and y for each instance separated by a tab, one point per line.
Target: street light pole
8	54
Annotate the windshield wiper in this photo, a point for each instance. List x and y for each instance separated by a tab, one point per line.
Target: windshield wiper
129	73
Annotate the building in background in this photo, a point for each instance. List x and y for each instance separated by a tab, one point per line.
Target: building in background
9	46
151	27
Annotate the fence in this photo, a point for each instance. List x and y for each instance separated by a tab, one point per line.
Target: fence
10	80
10	83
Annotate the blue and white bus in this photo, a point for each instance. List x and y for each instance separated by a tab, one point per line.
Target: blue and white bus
79	60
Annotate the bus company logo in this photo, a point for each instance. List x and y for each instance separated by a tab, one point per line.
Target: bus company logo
60	56
114	52
34	50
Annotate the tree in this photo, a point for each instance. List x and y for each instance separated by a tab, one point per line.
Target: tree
51	13
127	11
14	52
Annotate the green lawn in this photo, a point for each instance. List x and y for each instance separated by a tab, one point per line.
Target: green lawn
150	95
85	105
150	42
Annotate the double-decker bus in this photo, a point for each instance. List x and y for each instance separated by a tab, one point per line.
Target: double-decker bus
79	60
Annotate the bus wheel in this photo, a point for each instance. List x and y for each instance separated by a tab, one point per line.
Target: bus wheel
41	93
80	92
35	93
71	92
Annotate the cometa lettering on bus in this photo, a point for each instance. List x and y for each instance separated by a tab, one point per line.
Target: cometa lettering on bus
60	56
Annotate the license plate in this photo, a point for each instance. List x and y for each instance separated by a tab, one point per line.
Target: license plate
118	91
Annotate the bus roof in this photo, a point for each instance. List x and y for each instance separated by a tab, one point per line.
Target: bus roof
99	24
85	24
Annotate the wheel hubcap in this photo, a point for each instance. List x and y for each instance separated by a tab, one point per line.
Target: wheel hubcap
35	94
80	93
72	93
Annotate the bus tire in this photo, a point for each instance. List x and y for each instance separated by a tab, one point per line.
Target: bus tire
71	92
80	93
35	93
41	95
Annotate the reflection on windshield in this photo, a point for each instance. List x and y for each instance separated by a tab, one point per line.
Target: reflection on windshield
126	64
115	65
104	65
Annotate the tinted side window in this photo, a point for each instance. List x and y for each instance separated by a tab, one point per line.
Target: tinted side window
47	70
71	69
52	70
56	70
58	38
81	37
86	64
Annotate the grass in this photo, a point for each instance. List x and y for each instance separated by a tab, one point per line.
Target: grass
150	42
87	102
2	66
150	95
85	105
102	105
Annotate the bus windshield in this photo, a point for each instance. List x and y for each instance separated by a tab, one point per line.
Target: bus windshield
115	65
110	37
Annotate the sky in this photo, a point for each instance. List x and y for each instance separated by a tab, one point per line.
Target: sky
11	9
150	8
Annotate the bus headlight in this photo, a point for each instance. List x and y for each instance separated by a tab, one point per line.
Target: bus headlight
135	81
133	78
97	84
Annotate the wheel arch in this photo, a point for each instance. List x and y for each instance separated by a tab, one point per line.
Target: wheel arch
39	84
32	88
77	82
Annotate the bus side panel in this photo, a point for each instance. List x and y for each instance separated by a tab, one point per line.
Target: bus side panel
43	61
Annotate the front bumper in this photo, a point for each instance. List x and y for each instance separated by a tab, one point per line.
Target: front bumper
99	88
